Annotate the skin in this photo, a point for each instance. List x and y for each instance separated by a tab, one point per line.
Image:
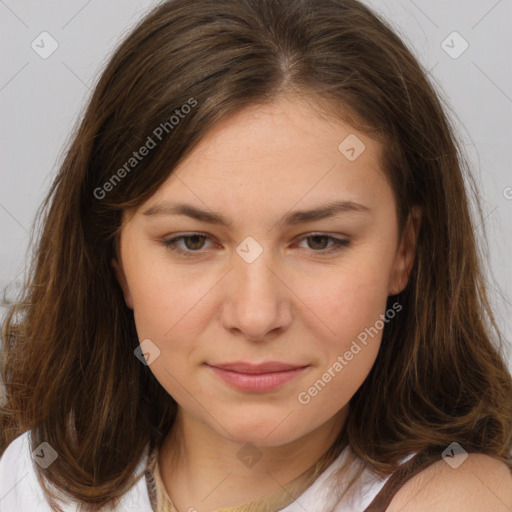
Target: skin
480	484
296	303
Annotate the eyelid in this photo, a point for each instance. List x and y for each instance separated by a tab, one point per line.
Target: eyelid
338	242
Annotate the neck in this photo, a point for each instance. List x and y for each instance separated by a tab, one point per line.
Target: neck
201	468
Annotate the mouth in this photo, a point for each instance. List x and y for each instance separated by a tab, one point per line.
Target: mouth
257	377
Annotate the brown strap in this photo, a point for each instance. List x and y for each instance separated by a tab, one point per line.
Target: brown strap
419	462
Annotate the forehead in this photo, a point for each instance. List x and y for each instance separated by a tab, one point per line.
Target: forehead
276	155
290	130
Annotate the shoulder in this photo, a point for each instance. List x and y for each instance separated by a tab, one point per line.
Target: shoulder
19	488
479	484
14	458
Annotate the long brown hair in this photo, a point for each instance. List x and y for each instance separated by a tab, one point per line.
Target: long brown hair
69	368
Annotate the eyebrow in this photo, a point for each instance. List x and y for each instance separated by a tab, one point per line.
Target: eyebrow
290	219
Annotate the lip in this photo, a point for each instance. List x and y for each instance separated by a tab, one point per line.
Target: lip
251	368
260	377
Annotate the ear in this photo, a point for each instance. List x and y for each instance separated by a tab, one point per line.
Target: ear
406	252
121	279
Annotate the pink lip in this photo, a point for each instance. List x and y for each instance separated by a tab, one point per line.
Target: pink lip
257	377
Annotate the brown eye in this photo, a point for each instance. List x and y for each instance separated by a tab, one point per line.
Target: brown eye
189	244
319	243
194	242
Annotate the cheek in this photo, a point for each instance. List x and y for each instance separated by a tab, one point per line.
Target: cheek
334	385
169	310
151	308
166	315
163	294
351	306
351	297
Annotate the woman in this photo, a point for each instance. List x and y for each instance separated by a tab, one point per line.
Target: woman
257	284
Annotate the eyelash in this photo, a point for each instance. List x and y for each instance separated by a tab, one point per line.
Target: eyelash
339	244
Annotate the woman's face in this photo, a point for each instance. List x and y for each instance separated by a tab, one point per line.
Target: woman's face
260	325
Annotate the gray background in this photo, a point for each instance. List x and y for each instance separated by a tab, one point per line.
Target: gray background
42	99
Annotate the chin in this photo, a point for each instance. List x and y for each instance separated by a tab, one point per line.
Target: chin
264	430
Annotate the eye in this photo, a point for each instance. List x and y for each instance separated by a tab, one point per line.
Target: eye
193	243
188	245
320	239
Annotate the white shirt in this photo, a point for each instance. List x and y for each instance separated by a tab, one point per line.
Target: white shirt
20	490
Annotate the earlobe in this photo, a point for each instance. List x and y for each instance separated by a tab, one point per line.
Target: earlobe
121	279
406	253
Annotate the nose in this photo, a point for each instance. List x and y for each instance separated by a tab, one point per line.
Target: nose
256	303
